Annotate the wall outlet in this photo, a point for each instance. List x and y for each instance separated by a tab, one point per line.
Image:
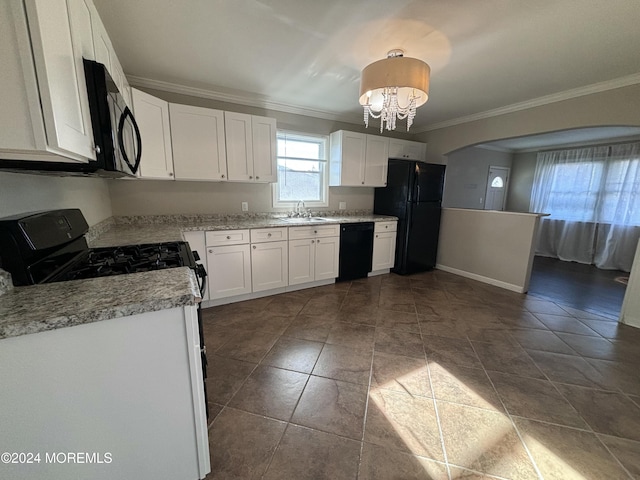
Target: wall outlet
342	206
245	206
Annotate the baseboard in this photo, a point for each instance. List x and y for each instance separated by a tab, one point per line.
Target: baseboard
378	272
629	320
481	278
265	293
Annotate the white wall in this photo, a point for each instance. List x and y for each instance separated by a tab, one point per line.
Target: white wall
523	169
467	176
21	193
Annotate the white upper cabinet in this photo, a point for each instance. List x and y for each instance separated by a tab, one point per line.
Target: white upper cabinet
198	141
407	149
237	129
358	159
263	134
45	40
251	147
152	115
377	161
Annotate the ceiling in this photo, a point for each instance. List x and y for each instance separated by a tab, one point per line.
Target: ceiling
305	56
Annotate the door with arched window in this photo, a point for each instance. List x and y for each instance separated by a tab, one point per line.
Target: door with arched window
497	183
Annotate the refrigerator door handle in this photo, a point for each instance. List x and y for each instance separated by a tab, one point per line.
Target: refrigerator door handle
418	198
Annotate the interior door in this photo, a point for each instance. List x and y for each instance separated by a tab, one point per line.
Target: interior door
497	182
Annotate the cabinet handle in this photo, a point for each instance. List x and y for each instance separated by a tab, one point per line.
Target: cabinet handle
386	226
318	241
210	251
97	149
376	236
250	177
313	241
257	178
171	174
315	231
254	247
228	237
268	234
363	183
222	176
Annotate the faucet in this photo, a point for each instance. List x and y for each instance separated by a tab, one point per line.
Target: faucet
298	212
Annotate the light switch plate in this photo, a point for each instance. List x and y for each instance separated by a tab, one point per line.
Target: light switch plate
342	206
245	206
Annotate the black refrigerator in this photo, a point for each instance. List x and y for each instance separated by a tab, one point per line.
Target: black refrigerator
414	195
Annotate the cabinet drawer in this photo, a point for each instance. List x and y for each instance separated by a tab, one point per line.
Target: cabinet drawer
259	235
227	237
314	231
385	227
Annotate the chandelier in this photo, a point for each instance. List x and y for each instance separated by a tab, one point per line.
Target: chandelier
393	88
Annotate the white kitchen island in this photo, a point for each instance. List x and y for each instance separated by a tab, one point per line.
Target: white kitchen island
105	395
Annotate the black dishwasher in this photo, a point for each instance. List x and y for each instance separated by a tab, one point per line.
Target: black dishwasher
356	250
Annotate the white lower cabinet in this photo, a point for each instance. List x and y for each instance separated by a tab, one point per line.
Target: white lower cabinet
229	270
269	265
384	246
315	256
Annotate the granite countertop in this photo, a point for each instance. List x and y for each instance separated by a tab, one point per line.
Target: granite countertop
153	230
38	308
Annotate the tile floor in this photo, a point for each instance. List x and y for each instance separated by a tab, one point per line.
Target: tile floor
430	376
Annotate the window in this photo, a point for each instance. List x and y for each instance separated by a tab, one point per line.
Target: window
302	170
497	183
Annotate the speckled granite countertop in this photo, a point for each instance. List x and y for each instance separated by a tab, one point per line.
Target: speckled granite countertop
33	309
136	230
38	308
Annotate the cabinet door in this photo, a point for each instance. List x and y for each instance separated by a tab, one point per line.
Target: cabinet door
406	149
347	161
384	250
237	131
152	115
101	42
269	265
61	36
197	138
263	131
301	261
230	269
377	161
196	243
327	257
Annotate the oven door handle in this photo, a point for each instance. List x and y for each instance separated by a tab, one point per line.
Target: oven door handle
127	113
201	273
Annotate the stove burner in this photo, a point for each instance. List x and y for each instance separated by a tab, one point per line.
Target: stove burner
102	262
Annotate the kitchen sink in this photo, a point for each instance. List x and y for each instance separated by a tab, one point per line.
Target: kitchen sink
306	219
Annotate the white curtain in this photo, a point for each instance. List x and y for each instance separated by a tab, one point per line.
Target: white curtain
593	198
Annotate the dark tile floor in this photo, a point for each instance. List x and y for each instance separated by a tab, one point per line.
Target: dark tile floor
576	285
430	376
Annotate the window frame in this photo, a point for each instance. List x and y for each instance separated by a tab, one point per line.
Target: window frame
324	177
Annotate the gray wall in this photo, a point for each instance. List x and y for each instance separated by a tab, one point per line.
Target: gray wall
522	171
467	176
21	193
612	107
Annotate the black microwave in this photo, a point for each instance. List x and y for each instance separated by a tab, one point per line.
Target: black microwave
116	135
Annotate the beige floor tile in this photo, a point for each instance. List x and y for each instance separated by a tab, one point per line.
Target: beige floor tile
305	454
379	463
442	326
352	335
286	305
311	327
626	451
563	453
566	324
469	386
535	399
344	363
225	377
400	421
364	315
483	441
623	376
401	374
448	350
544	340
293	354
569	369
398	320
270	391
332	406
520	319
610	413
507	359
543	306
247	346
241	444
399	342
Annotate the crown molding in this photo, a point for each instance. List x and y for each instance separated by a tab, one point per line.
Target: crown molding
237	98
537	102
493	148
